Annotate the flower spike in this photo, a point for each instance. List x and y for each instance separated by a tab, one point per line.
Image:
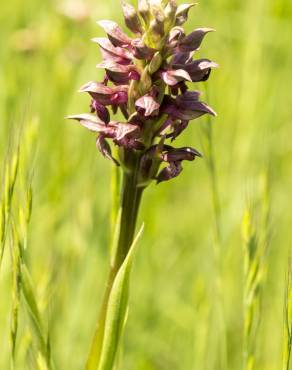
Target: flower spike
146	79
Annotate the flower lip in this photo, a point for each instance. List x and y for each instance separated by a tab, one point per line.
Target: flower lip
170	172
173	77
147	105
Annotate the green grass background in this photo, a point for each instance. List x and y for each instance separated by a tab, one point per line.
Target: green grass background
173	320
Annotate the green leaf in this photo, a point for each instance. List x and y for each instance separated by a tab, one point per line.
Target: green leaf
116	311
96	345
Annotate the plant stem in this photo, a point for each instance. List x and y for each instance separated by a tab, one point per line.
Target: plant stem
130	201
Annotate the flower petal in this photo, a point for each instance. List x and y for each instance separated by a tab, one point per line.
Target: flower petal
115	67
176	34
90	121
193	41
180	154
96	87
172	77
125	129
115	33
186	107
199	69
182	58
109	51
141	51
101	111
169	172
121	78
105	149
106	95
187	99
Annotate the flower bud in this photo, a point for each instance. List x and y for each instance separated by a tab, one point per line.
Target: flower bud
155	63
144	11
182	13
157	25
131	18
170	13
145	82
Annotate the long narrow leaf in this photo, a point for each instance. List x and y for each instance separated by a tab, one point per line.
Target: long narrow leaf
116	311
96	345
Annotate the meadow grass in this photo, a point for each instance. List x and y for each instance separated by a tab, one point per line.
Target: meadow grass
287	343
59	242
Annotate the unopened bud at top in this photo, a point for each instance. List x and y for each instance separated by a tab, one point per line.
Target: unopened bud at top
170	14
144	11
182	13
131	18
146	81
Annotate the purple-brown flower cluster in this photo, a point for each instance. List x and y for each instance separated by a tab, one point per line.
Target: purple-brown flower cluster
146	79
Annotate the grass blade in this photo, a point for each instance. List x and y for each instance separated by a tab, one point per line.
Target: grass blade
288	322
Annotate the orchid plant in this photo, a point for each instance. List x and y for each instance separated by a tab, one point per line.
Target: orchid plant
146	80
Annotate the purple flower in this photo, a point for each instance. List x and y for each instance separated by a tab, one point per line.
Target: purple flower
193	40
115	34
105	149
122	134
181	110
147	105
101	111
186	106
174	158
175	76
146	79
111	53
105	95
120	74
162	153
141	51
198	70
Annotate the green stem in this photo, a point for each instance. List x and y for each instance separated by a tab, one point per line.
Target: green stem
130	202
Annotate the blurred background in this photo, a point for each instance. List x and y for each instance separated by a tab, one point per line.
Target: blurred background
188	286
